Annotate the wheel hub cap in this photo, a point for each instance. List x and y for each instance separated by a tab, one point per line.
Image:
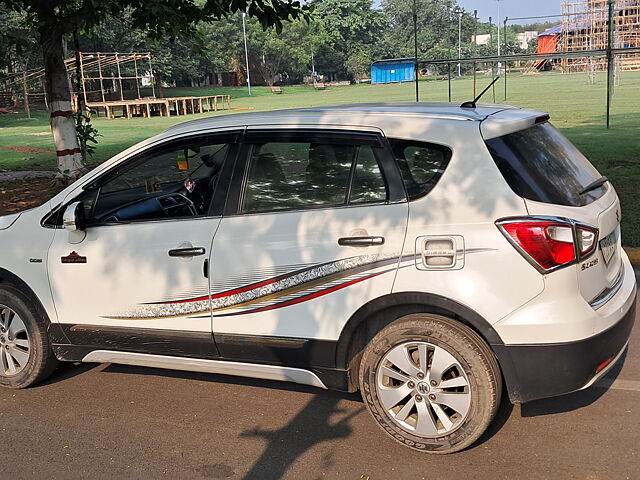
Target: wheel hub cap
423	388
14	342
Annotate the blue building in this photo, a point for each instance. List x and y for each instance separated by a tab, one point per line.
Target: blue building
393	70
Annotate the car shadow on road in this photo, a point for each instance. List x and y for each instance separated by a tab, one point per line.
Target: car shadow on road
67	370
225	379
572	401
314	424
311	426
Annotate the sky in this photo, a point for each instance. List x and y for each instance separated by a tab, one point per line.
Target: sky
512	9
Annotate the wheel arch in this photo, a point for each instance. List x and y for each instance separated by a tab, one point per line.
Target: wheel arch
56	335
369	319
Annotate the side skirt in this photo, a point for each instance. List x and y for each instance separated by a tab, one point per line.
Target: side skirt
252	370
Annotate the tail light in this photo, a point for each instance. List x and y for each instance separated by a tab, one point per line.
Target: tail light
550	243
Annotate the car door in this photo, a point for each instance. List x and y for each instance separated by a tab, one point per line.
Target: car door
135	279
316	229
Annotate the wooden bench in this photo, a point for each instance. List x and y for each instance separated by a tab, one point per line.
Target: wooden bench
275	89
319	86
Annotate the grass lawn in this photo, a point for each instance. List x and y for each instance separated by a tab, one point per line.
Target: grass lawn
575	107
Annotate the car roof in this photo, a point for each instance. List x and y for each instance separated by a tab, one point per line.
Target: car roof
420	109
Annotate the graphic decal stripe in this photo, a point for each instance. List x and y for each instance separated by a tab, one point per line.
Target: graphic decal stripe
305	298
249	287
281	288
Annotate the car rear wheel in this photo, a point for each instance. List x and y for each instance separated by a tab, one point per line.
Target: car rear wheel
431	383
25	353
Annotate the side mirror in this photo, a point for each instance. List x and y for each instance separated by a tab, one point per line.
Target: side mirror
73	218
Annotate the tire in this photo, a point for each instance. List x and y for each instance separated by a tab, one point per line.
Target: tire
25	352
396	375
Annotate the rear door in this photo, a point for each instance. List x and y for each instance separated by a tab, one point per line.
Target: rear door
314	232
551	174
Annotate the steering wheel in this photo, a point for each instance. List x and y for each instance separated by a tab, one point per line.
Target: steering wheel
172	203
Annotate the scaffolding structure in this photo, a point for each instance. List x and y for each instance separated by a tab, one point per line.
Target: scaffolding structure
109	83
585	27
104	75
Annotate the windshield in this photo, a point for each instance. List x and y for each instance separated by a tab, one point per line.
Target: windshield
540	164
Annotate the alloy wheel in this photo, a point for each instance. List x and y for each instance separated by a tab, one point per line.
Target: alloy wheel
14	343
423	388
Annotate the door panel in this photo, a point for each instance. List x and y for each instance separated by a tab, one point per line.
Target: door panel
123	276
313	236
137	278
289	277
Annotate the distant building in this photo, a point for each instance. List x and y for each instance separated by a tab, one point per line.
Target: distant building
393	70
483	39
525	37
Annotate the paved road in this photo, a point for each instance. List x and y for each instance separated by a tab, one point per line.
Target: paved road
113	421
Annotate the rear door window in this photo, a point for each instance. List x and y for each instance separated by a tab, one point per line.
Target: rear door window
295	175
540	164
421	165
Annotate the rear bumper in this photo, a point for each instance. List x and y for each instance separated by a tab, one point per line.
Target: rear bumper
545	370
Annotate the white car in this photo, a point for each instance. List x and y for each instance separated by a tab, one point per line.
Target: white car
427	255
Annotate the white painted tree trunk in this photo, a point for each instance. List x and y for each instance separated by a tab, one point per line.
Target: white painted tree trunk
70	164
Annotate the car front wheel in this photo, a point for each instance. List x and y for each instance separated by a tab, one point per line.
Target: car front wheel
25	353
430	382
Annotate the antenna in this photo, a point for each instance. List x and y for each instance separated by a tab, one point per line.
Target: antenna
472	104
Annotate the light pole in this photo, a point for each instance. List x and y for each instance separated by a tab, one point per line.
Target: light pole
246	52
498	25
415	48
459	11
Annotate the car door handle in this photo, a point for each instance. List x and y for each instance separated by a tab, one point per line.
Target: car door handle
360	241
187	252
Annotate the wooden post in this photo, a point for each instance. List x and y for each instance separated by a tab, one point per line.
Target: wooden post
101	83
153	78
26	93
135	66
120	80
44	92
84	88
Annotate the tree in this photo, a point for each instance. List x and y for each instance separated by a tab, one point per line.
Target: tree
286	53
437	27
357	64
53	19
351	29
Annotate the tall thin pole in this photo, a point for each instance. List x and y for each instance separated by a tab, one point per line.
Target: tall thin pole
610	66
504	34
415	47
475	36
449	79
246	52
313	69
490	33
459	38
498	25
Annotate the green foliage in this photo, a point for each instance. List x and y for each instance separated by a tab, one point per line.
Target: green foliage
358	64
87	135
160	18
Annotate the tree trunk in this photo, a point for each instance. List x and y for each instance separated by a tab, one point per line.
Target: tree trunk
63	127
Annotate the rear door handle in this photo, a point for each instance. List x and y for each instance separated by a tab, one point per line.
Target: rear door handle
360	241
187	252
